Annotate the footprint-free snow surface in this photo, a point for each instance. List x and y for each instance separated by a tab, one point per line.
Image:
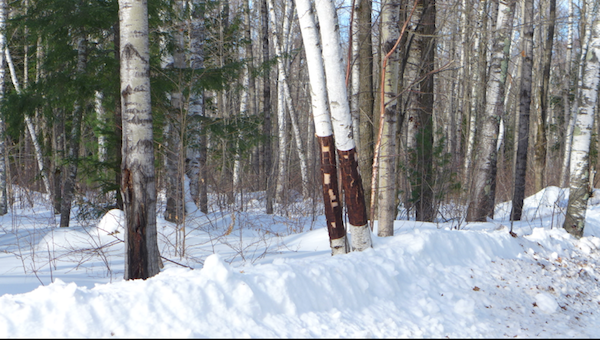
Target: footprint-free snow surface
247	274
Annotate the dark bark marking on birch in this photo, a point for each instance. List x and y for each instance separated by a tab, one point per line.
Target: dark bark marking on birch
333	208
353	191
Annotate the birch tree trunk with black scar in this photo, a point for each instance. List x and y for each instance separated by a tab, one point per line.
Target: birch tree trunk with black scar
138	176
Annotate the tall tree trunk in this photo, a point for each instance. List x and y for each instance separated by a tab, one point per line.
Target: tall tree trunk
342	125
387	208
484	178
196	146
75	136
138	184
579	187
524	110
3	158
267	151
365	93
541	138
323	129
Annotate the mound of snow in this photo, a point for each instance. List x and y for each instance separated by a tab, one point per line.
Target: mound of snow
113	222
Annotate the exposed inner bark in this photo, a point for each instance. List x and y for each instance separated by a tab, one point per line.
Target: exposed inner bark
331	195
353	190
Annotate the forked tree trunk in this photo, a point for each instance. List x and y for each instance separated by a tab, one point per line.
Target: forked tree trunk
342	125
323	129
579	187
138	183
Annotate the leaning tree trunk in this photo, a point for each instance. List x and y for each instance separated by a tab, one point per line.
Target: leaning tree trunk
579	187
387	192
342	125
73	150
323	129
138	183
524	109
38	149
484	175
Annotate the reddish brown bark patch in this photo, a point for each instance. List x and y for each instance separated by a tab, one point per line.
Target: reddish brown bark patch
353	190
331	195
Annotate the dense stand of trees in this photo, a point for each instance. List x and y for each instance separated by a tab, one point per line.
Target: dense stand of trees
429	104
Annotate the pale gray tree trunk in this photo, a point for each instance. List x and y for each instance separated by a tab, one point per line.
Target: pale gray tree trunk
3	186
142	258
579	181
390	32
569	120
484	173
524	111
196	146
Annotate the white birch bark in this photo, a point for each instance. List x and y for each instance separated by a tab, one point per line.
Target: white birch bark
323	125
138	184
569	118
29	124
101	114
340	111
3	185
582	135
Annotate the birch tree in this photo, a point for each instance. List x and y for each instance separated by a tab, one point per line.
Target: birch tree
342	125
3	191
138	183
484	177
524	110
579	179
387	191
323	128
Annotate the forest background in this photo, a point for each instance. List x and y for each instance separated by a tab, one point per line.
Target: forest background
469	102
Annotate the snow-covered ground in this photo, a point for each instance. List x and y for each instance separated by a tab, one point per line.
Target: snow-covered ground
256	275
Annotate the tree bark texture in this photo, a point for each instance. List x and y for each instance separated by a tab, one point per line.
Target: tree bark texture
138	176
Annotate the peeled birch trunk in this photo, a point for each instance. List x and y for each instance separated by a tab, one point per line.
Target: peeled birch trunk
524	112
342	125
323	128
387	191
579	187
483	186
3	186
138	183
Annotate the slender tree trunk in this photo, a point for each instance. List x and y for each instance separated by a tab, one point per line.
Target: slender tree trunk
267	152
387	191
541	138
579	181
75	136
3	186
138	184
365	95
196	146
524	110
29	124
